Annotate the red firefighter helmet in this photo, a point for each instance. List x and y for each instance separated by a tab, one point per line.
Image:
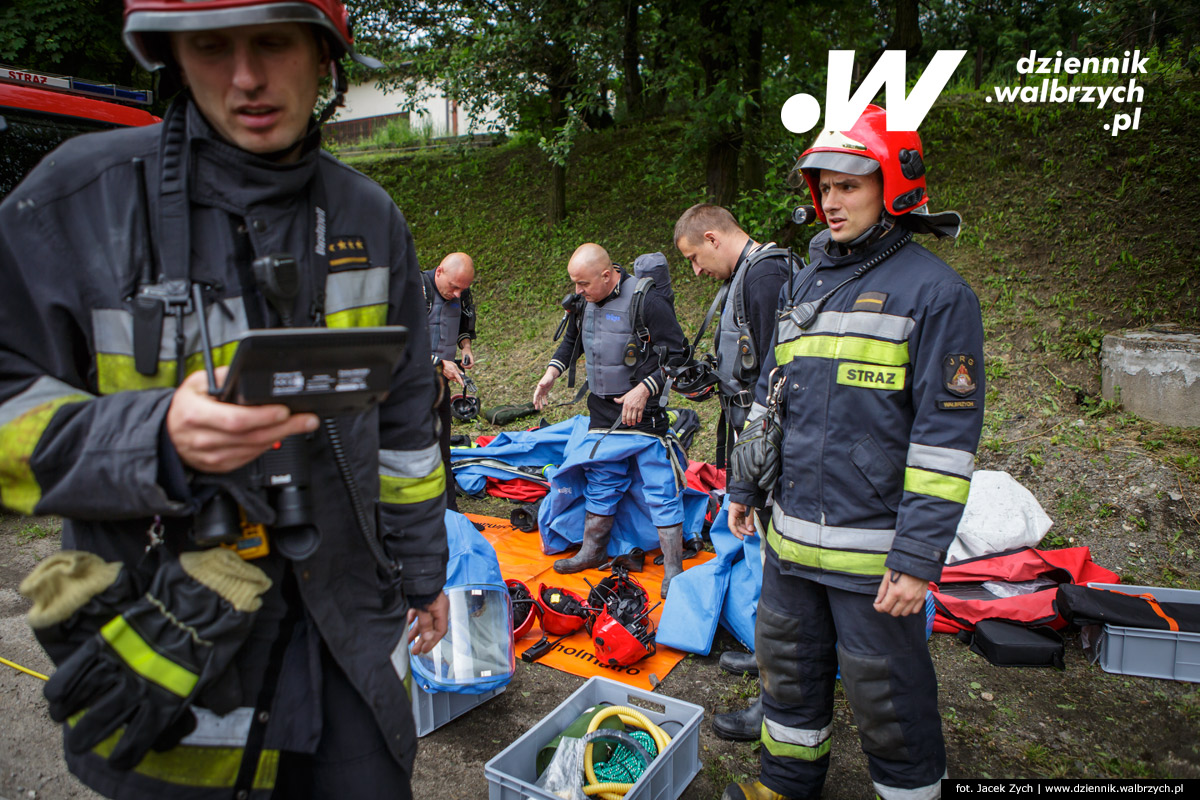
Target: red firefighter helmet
526	610
143	18
618	644
866	147
563	611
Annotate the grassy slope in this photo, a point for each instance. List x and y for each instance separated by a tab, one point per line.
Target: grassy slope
1069	232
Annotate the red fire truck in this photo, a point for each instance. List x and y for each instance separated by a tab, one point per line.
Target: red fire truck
40	110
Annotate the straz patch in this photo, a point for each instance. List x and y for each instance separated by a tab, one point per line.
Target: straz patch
347	252
871	376
959	374
869	301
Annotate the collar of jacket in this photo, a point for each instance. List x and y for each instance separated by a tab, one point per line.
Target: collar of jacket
825	252
233	179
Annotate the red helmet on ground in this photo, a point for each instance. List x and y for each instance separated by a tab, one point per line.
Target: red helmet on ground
526	610
869	146
619	645
146	17
563	611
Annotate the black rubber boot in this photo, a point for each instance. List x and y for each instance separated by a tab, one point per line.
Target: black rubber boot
750	791
671	541
735	662
594	551
740	726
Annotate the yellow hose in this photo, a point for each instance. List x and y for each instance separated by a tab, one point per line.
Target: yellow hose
19	668
629	716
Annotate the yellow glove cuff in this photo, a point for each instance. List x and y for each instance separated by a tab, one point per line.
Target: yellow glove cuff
64	583
227	574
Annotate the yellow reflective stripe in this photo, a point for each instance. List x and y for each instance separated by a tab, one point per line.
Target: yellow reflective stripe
412	490
920	481
363	317
847	561
145	660
117	373
849	348
19	490
871	376
785	750
208	767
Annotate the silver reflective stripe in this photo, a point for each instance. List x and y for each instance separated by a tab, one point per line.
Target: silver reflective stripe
113	329
930	792
410	463
828	536
231	730
854	323
943	459
800	736
43	390
355	288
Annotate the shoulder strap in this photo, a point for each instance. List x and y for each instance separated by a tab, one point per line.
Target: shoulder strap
637	314
739	298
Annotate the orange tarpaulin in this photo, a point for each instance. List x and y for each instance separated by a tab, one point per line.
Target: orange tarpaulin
521	558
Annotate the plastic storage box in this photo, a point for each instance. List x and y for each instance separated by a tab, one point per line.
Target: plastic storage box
512	773
1174	655
432	710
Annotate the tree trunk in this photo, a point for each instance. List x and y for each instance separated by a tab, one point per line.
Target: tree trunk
718	58
633	77
558	193
906	34
978	65
558	173
754	175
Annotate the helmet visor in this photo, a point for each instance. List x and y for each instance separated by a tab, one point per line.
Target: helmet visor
478	645
838	162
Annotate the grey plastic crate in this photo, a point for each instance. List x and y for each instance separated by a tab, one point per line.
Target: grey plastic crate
512	773
1173	655
432	710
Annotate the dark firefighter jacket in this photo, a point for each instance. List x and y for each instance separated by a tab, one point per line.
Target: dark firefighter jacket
82	432
882	406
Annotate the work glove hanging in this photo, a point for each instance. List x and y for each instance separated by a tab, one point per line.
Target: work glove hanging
74	594
145	667
756	456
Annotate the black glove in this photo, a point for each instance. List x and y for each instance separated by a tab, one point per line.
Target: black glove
756	456
74	593
144	668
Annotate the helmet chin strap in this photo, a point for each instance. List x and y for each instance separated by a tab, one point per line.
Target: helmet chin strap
339	93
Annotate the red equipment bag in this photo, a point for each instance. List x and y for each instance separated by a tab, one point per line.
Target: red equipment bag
975	589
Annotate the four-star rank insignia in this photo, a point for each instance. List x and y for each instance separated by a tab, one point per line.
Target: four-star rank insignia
347	252
959	373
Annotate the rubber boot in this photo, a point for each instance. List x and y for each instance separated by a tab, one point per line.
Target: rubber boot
671	541
740	726
594	551
735	662
750	791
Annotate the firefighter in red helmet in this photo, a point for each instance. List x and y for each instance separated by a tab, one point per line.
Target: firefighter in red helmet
186	670
876	386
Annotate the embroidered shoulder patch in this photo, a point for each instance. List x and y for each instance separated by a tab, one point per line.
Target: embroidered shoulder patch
958	371
869	301
347	252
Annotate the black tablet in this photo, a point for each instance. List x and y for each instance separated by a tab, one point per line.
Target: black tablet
323	370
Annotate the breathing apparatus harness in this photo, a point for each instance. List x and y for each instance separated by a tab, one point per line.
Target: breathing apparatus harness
170	289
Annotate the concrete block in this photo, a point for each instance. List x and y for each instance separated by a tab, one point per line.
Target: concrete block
1154	373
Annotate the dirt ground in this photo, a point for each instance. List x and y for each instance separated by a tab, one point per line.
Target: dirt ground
1132	509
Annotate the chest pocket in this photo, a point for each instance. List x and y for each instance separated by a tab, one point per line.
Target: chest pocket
357	298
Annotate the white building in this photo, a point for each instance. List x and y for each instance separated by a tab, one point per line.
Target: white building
368	109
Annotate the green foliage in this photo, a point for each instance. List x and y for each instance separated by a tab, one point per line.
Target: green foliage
71	37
